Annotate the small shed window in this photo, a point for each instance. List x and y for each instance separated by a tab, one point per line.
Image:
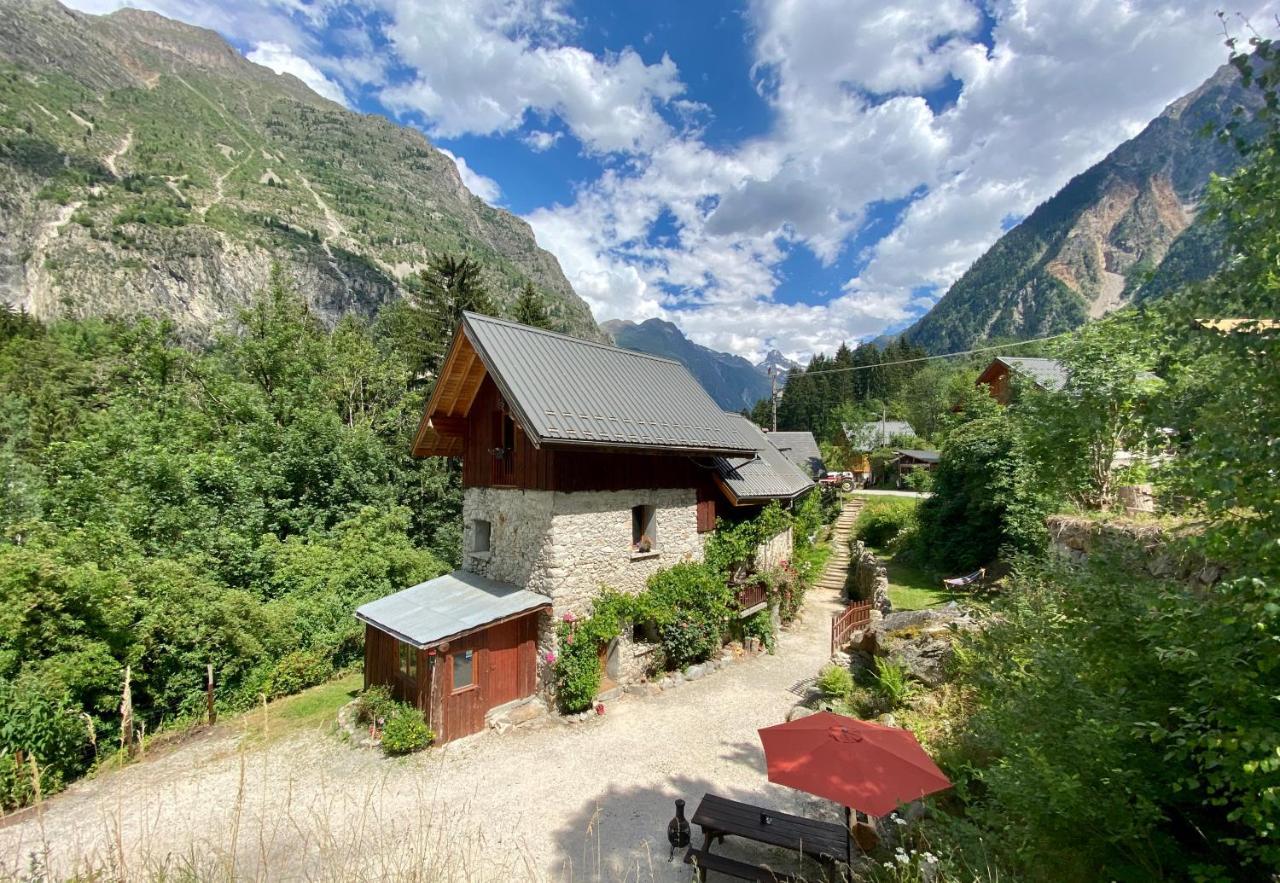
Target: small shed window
481	533
463	671
409	661
644	529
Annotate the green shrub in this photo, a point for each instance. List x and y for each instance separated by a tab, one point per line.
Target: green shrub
688	640
690	605
760	625
299	670
881	520
892	683
406	731
920	480
836	682
375	704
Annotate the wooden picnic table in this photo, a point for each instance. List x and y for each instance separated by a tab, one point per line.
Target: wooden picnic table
719	817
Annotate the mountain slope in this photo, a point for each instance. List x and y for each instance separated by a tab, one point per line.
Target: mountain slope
147	167
732	381
1126	225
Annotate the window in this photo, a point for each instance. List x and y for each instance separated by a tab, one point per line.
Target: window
463	671
504	447
481	533
409	661
644	530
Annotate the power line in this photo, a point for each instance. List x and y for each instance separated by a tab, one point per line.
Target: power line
981	349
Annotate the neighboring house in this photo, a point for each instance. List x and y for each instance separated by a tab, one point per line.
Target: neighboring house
908	460
867	437
583	466
801	448
1047	374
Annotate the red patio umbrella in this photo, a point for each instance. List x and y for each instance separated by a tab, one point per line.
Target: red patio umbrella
866	766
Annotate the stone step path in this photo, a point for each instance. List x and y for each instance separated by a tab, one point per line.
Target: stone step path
834	576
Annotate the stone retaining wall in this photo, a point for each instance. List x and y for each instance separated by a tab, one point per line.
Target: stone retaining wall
1157	549
868	577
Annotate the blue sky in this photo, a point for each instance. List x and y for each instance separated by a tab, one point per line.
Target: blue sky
788	174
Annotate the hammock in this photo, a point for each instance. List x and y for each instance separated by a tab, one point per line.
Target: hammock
960	582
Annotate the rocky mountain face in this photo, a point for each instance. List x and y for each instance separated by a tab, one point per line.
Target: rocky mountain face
774	360
731	380
146	167
1126	229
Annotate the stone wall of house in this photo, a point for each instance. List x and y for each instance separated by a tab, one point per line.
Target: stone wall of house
868	578
774	552
568	546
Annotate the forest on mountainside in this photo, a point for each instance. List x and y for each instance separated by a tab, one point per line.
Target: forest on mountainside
166	508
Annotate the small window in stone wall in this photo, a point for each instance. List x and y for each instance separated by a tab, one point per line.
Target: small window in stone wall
481	536
644	529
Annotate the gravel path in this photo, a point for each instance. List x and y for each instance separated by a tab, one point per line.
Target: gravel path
553	801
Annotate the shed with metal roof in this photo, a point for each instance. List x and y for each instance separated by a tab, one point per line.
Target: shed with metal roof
764	476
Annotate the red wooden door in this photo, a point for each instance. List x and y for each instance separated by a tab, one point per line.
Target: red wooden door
503	668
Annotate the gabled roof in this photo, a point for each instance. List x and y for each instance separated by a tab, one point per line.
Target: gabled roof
801	448
1048	374
566	391
447	607
766	475
878	433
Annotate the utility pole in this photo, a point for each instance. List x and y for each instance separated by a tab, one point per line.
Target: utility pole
773	394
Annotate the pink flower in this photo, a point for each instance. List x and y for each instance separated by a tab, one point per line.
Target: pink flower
569	617
550	657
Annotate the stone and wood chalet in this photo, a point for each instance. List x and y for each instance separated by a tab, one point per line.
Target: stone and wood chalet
998	377
583	466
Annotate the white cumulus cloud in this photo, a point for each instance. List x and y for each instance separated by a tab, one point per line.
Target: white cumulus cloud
484	187
281	59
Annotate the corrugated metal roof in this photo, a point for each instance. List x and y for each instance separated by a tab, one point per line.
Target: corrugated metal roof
569	391
446	606
768	475
877	433
1048	373
926	456
801	448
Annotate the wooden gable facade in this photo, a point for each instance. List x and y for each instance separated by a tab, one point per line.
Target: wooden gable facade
497	452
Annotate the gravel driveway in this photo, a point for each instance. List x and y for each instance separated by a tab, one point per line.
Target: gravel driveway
553	801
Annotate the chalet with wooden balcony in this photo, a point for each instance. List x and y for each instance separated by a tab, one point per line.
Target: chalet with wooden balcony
583	466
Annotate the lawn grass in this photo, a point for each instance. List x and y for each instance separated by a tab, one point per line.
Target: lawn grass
312	709
911	587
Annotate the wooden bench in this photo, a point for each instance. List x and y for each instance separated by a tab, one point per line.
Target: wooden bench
705	861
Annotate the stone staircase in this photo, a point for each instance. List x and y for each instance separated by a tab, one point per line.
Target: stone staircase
833	578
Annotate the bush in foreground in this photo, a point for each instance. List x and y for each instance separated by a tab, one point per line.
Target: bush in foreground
406	731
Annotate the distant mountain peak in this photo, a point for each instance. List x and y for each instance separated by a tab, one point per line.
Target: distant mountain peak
731	380
776	360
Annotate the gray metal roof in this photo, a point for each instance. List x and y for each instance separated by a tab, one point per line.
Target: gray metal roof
926	456
569	391
1047	373
447	606
877	433
801	448
768	475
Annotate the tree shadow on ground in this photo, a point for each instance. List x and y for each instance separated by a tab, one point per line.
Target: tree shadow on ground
621	835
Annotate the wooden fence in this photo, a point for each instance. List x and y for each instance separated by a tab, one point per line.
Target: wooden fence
843	624
750	596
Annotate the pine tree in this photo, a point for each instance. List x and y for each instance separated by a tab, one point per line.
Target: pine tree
423	325
531	309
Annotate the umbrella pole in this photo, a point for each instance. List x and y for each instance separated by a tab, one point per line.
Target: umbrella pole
848	835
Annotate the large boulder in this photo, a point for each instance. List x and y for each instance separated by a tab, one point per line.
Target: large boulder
922	641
